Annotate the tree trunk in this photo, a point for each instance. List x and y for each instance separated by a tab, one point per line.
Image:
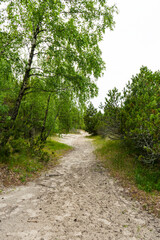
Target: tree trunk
26	78
49	131
42	136
22	90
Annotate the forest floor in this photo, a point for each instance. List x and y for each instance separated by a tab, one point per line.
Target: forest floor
75	200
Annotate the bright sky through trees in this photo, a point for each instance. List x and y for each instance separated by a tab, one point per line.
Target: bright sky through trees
134	42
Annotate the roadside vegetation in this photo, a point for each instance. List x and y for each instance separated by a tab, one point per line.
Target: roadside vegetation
127	136
132	116
50	61
122	161
140	181
25	164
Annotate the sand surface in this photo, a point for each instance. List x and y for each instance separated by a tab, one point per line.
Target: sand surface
75	200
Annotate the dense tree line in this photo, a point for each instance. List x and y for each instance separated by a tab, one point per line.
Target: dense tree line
49	63
133	115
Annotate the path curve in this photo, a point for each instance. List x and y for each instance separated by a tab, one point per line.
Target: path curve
77	200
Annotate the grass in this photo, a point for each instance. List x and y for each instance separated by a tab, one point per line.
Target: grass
24	165
142	180
56	149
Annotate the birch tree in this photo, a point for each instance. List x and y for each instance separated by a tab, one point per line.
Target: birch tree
56	41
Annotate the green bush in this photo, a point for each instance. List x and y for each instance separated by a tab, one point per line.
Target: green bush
91	119
141	114
18	145
5	153
111	123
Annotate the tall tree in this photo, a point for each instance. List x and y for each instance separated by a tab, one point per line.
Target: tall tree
61	37
90	119
141	114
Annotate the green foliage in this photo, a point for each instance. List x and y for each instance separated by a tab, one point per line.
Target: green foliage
5	153
111	123
8	91
147	179
135	115
55	146
49	63
19	145
26	163
91	119
122	163
142	114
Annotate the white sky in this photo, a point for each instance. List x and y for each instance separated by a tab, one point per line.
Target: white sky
134	42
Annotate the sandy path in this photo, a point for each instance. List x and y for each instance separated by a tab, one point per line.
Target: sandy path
75	200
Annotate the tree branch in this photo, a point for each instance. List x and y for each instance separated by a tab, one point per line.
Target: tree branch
48	91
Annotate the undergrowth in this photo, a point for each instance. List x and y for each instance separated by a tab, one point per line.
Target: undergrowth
24	163
122	162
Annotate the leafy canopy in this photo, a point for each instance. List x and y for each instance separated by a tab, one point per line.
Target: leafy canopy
66	36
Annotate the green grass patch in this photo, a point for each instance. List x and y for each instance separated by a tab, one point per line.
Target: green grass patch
56	149
54	145
147	179
122	163
25	164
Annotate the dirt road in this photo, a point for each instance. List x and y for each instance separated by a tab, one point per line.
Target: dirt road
76	200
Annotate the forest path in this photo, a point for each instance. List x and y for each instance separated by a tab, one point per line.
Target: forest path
75	200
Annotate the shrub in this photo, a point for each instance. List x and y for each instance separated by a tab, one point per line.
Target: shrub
141	122
90	119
